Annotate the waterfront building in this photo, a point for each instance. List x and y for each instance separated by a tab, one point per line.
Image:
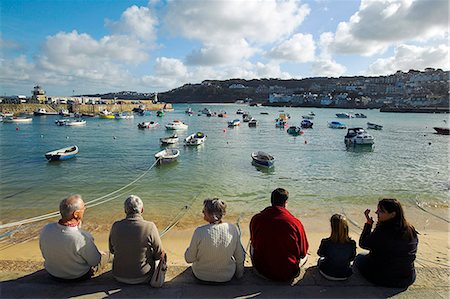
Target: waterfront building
38	95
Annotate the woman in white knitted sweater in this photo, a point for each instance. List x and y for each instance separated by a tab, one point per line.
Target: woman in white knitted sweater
216	252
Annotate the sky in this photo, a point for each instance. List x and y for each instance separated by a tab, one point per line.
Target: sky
97	46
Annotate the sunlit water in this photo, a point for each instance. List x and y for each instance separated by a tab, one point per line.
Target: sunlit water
408	161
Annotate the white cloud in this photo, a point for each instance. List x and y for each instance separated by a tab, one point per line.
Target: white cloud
170	67
136	21
260	21
408	57
299	48
327	68
379	24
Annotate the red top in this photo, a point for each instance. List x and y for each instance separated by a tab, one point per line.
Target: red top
279	242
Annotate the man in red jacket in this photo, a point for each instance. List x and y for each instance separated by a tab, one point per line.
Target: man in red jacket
278	240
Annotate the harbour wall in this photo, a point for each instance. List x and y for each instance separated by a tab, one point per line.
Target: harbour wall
81	108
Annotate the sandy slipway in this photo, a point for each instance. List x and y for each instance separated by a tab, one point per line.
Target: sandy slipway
33	282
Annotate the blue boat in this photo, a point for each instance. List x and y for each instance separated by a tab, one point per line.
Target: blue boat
263	159
306	124
336	125
62	154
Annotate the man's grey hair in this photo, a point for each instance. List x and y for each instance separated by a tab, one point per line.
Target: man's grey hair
69	205
133	205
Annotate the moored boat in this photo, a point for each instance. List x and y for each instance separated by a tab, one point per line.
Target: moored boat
147	125
344	115
294	131
105	114
42	111
160	113
234	123
263	159
195	139
374	126
167	155
360	115
306	124
61	122
16	119
176	125
123	115
169	140
253	123
62	154
308	116
336	125
281	124
358	136
75	122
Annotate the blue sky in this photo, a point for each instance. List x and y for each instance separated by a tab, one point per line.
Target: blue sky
146	46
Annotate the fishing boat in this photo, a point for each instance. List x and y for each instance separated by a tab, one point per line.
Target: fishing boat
17	119
306	124
75	122
344	115
294	131
374	126
195	139
176	125
263	159
442	130
167	155
358	136
252	123
123	115
105	114
147	125
234	123
336	125
42	111
62	154
169	140
360	115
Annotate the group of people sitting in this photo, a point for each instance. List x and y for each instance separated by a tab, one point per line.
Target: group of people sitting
278	245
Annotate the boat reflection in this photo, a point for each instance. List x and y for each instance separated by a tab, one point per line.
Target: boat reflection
263	169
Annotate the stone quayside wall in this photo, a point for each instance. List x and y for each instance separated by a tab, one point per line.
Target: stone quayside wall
81	108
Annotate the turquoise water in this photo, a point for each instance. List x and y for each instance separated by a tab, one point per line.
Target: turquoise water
408	161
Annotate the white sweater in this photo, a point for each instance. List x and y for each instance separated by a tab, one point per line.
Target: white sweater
216	252
69	252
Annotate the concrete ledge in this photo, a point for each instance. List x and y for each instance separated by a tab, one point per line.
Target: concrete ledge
180	283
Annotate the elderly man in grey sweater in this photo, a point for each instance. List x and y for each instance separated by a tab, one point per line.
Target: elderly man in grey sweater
135	244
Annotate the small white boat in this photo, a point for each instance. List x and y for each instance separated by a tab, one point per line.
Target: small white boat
344	115
234	123
360	115
75	122
374	126
6	114
240	111
358	136
195	139
169	140
147	125
167	155
42	111
176	125
336	125
15	119
263	159
62	154
123	115
61	122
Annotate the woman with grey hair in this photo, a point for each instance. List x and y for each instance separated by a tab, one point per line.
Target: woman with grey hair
216	251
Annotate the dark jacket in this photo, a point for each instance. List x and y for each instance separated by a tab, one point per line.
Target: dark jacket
390	261
336	257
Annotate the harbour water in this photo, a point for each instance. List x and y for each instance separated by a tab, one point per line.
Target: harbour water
408	162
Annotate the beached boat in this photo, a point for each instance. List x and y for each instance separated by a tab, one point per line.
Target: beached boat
75	122
442	130
195	139
344	115
169	140
234	123
42	111
294	131
374	126
306	124
147	125
360	115
16	119
167	155
263	159
62	154
253	123
105	114
336	125
176	125
123	115
358	136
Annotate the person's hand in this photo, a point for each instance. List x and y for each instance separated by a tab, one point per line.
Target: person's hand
369	220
